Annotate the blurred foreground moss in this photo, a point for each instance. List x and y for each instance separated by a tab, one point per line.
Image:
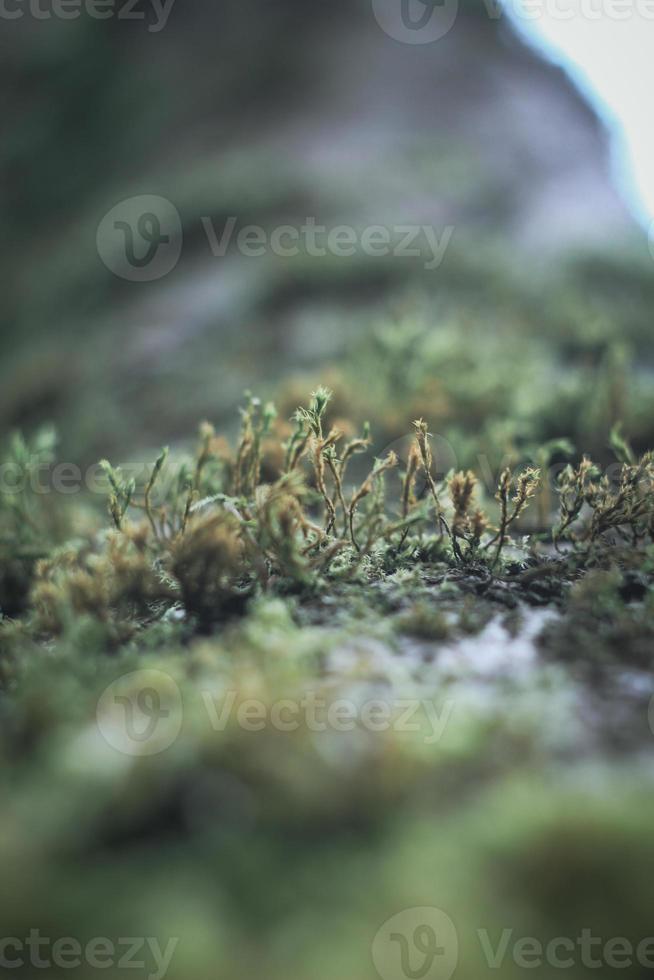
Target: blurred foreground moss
285	698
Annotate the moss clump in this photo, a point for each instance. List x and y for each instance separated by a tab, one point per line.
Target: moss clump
278	514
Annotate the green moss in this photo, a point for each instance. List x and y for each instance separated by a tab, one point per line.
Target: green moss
285	578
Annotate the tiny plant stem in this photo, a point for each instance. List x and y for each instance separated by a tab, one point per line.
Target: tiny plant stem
339	488
502	531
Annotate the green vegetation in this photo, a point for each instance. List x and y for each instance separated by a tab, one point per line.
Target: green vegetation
289	567
279	515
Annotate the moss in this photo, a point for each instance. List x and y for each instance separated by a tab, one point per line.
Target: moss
607	622
424	622
282	575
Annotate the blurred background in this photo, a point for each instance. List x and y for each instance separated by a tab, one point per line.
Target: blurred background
269	114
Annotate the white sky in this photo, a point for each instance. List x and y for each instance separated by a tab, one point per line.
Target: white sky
608	47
